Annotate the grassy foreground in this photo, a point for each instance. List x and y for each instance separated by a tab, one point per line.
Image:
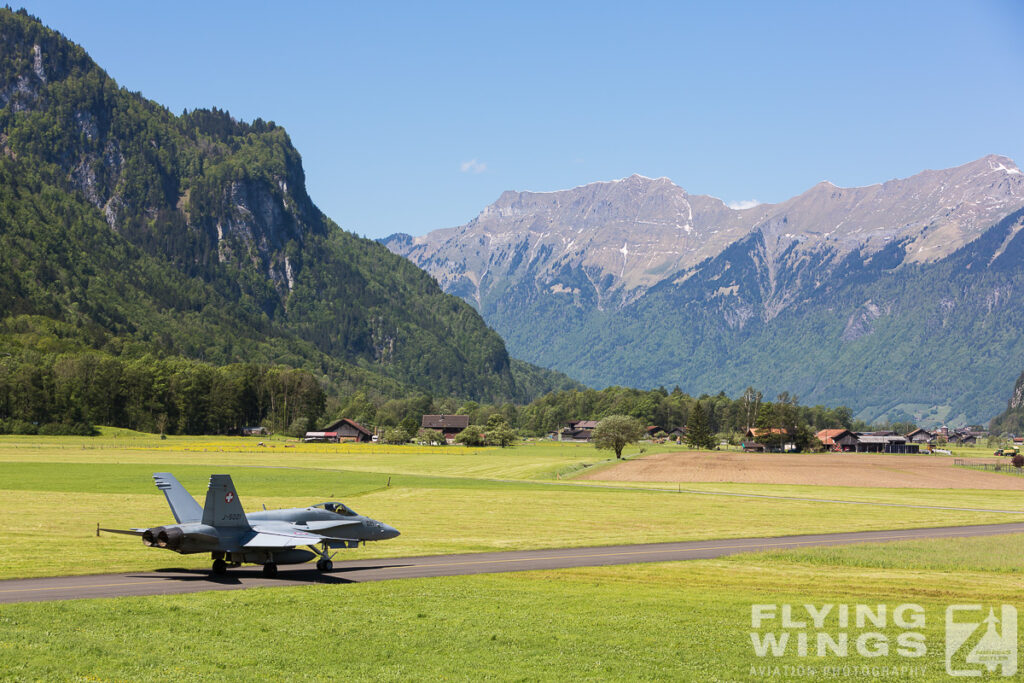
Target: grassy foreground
675	621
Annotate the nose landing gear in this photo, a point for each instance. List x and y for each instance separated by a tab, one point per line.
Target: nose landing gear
324	564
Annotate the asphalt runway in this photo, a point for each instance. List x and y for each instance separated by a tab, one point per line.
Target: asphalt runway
173	581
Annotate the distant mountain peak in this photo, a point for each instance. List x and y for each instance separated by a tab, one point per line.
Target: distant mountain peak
1001	163
636	281
612	240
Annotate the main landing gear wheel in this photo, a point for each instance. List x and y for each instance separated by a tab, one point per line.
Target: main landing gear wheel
220	567
324	565
270	570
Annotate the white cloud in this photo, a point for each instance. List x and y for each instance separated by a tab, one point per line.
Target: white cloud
472	166
743	204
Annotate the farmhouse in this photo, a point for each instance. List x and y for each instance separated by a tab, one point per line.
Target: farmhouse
753	432
578	430
920	436
754	440
966	436
838	440
342	430
449	425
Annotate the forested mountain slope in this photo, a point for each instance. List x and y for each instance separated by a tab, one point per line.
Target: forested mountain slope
140	231
1012	419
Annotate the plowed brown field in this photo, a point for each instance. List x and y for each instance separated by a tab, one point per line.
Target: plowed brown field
851	469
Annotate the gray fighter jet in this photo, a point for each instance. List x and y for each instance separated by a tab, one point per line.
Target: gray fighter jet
266	537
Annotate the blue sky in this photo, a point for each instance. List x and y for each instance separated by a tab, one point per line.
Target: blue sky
414	116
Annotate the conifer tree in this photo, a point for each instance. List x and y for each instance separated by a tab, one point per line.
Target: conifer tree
698	433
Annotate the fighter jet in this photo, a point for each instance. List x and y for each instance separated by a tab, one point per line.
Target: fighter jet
266	537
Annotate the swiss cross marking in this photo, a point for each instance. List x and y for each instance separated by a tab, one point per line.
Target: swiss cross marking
229	497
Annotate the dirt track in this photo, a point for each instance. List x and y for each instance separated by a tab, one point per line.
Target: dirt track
851	469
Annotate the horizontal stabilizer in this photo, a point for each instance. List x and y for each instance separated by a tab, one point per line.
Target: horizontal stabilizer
183	506
129	532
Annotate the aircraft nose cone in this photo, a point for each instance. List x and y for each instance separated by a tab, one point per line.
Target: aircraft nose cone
390	531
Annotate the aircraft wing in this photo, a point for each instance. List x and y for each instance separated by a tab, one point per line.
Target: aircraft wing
282	539
324	525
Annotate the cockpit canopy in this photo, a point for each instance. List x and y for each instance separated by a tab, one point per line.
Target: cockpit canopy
337	508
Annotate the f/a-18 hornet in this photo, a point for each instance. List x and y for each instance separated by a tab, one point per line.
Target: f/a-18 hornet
266	537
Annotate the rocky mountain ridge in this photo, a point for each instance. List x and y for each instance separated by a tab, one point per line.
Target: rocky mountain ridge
607	243
577	279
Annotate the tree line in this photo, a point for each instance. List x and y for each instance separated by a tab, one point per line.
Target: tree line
717	414
71	392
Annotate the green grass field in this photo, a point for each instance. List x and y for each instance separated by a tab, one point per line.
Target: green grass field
529	460
673	621
677	621
54	492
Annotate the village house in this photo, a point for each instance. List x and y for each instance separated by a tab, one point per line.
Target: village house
341	430
578	430
838	440
920	436
753	438
677	433
754	433
962	438
449	425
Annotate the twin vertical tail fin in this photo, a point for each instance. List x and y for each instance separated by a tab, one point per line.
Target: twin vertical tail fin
222	507
183	506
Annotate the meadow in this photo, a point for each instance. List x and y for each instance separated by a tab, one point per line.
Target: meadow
55	491
679	621
674	621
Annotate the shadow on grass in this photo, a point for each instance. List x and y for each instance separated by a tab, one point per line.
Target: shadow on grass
254	575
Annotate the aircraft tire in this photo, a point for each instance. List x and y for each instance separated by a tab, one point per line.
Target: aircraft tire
270	570
220	567
325	565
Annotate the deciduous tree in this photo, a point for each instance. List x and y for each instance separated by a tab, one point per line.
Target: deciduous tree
615	432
